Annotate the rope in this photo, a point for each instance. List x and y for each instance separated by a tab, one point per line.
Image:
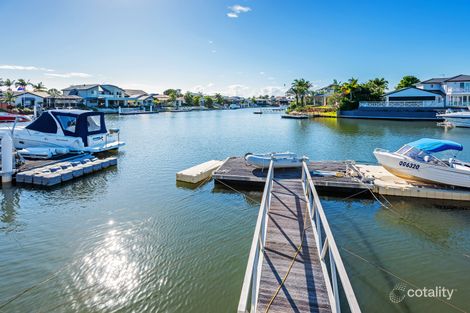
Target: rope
242	193
398	277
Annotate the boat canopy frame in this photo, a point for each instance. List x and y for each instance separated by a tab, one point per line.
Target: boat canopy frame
435	145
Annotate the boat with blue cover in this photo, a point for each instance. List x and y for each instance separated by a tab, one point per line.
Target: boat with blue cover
64	131
416	161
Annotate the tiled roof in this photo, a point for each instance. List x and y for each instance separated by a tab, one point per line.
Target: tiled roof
81	87
134	92
459	78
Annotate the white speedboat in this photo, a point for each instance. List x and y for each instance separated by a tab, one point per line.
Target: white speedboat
281	160
74	130
416	161
457	119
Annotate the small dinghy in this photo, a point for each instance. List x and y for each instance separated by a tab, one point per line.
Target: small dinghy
281	160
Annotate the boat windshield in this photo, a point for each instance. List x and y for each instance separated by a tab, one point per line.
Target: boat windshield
68	122
93	123
420	155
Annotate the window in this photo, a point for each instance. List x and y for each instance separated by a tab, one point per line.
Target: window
94	123
462	85
67	122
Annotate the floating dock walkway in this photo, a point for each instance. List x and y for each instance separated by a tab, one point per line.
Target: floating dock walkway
292	250
53	172
340	178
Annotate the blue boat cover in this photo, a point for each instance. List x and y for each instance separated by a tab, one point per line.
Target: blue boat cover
435	145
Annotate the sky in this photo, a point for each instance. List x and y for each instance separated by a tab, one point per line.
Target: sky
240	47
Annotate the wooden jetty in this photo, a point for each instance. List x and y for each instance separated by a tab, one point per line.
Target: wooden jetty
341	178
328	176
291	251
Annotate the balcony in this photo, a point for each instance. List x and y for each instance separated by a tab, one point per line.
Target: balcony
401	104
455	90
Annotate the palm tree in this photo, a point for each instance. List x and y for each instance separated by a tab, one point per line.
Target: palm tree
219	99
22	83
8	97
300	88
54	92
8	83
349	87
38	87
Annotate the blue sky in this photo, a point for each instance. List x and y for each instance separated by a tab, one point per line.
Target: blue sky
243	47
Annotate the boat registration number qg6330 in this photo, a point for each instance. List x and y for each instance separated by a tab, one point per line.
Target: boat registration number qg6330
409	165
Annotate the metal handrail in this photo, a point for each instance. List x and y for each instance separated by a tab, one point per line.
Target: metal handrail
255	260
328	245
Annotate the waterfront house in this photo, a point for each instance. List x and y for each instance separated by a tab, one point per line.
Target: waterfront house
139	97
420	102
321	95
30	99
98	95
456	89
63	102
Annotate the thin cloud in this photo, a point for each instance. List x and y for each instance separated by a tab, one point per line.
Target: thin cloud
236	10
68	75
24	68
239	8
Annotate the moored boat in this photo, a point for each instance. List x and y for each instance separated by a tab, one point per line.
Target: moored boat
457	119
416	161
73	130
280	160
9	118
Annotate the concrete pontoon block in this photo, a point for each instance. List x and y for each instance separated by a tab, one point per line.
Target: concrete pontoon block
199	172
66	174
87	168
96	165
51	179
112	161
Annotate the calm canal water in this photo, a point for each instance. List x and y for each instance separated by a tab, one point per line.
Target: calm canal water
131	240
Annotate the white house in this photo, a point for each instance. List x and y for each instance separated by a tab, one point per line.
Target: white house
456	89
30	98
432	93
98	94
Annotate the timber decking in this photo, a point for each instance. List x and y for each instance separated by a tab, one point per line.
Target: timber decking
236	171
304	289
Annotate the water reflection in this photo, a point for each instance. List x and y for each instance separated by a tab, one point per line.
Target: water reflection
107	276
9	205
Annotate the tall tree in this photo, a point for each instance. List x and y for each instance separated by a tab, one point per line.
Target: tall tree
54	92
8	97
188	98
407	81
208	102
219	99
8	83
38	87
21	83
300	88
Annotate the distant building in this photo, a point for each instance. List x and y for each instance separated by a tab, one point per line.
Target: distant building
62	102
321	95
98	95
30	99
422	101
139	97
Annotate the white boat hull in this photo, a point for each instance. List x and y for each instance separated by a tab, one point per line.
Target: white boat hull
457	119
281	160
408	168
